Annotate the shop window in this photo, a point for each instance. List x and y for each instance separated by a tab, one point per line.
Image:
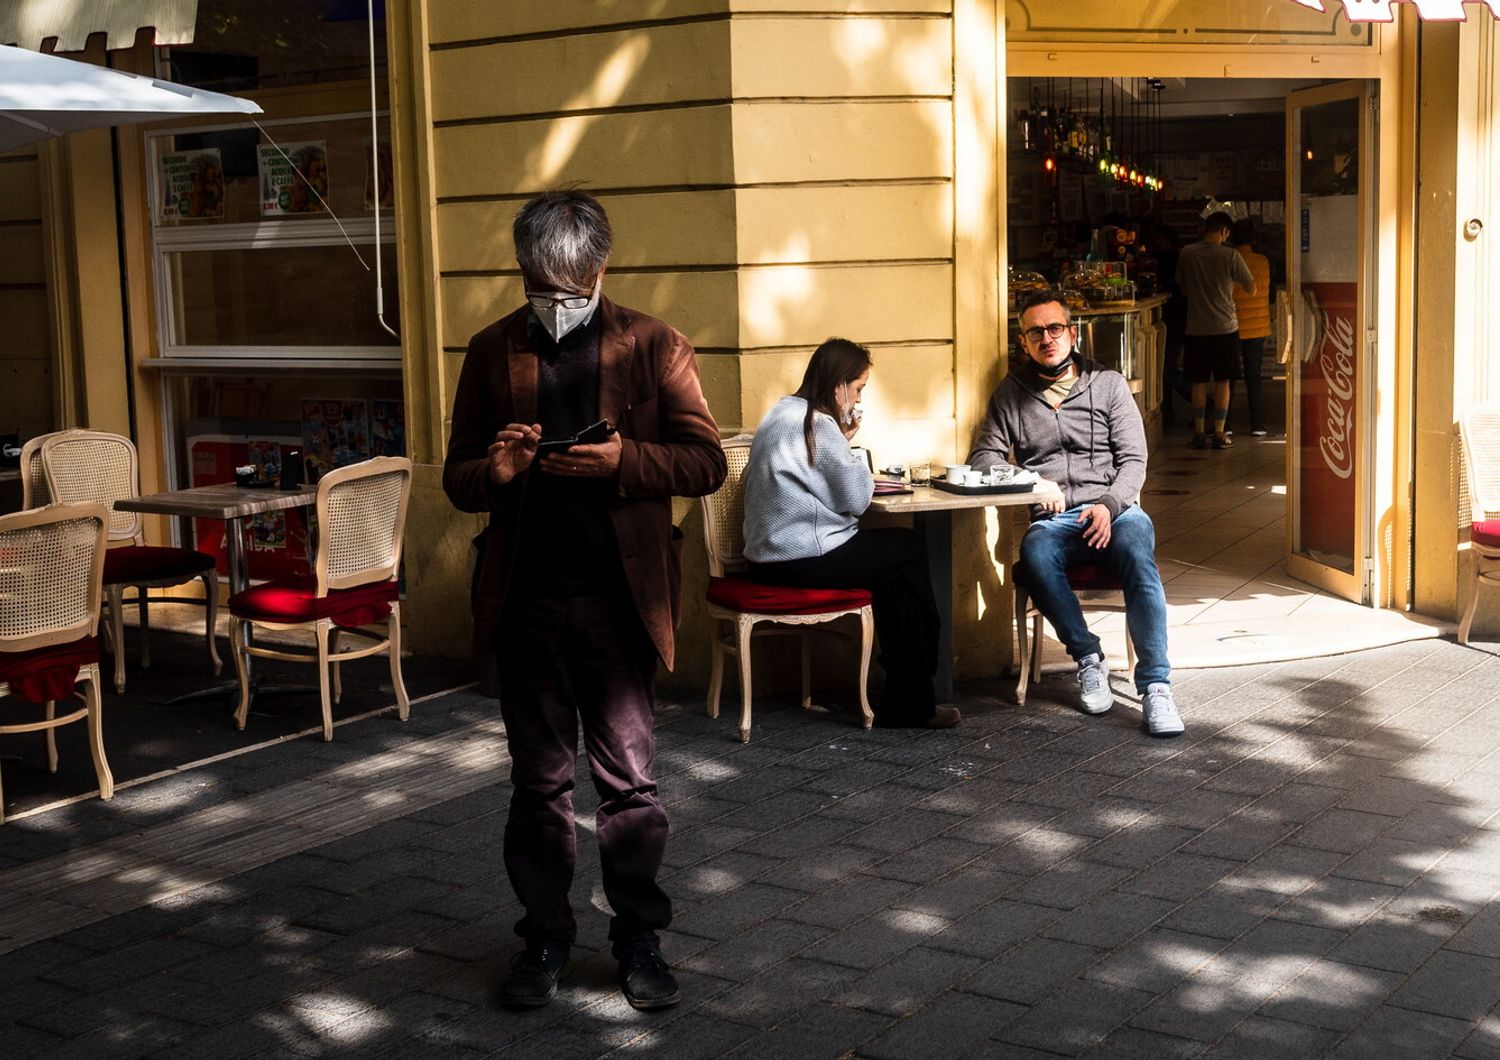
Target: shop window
222	420
244	45
264	242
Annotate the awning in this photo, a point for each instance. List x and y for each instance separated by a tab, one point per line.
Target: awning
27	23
1427	10
49	95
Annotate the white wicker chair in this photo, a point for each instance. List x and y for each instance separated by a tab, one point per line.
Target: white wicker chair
730	598
1480	429
92	466
361	523
1090	582
33	478
51	563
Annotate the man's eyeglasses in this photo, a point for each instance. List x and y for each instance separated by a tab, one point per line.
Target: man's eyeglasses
566	301
1052	331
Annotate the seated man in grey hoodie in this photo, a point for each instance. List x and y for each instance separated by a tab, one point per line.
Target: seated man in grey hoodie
1075	422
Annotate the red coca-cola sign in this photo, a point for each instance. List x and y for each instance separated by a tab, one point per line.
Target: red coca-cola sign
1327	431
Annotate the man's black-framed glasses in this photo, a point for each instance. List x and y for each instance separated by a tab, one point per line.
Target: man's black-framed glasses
566	301
1052	331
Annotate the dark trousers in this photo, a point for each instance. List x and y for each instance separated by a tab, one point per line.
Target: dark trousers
1252	357
891	563
1174	381
565	655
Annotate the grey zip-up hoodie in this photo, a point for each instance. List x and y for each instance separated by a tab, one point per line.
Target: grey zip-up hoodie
1093	445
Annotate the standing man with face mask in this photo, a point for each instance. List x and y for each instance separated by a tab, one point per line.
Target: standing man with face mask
1075	422
578	588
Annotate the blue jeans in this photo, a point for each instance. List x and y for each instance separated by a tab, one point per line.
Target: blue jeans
1055	543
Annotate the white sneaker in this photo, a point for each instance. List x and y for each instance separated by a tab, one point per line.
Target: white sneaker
1093	683
1159	709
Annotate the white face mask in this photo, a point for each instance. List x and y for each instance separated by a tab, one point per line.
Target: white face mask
852	413
558	320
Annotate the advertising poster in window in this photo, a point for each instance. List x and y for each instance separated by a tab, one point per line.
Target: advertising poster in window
335	433
387	428
192	185
267	530
289	174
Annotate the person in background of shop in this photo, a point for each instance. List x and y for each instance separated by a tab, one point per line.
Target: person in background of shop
1207	272
1254	314
578	588
1165	247
805	490
1075	422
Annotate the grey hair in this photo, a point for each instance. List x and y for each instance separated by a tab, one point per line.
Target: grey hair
563	239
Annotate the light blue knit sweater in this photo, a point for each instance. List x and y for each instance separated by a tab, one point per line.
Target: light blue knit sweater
793	510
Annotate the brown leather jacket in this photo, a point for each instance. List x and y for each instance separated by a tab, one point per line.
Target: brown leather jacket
648	387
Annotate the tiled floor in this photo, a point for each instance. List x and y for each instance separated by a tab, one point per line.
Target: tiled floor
1221	544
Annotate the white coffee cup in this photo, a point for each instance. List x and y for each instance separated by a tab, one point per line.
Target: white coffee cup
1001	474
956	473
973	478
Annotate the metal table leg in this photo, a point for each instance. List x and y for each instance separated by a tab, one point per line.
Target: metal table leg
936	529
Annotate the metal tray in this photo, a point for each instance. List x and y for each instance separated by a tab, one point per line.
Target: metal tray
981	491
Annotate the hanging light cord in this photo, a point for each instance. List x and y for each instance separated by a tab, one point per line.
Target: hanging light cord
375	171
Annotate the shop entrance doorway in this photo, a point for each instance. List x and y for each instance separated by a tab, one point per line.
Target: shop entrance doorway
1241	145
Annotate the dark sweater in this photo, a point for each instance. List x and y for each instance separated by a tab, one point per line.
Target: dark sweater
568	537
1093	445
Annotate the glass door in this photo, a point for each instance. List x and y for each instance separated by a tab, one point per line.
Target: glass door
1330	281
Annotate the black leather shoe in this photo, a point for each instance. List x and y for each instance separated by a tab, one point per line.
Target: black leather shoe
943	718
534	975
646	980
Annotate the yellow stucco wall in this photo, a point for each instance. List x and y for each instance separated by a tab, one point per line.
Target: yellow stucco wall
776	173
1456	363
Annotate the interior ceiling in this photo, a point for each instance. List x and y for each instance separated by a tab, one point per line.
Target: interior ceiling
1181	97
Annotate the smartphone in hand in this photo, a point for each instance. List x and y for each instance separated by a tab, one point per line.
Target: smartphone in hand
593	434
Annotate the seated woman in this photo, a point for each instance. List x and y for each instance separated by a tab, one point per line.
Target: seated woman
805	490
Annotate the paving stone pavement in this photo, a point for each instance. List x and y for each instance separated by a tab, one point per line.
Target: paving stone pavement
1313	869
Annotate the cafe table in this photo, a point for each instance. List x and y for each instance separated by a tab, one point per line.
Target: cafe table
931	509
236	506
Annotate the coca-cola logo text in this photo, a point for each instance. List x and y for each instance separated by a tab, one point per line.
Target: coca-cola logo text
1336	432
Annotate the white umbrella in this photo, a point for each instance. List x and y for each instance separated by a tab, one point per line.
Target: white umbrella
42	96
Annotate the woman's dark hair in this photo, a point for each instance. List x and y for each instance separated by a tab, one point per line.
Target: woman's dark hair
835	362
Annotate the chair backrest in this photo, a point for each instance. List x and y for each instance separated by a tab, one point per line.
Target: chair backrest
94	467
33	478
724	511
1480	429
361	522
51	567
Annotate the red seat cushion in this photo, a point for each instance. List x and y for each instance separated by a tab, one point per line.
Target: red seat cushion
742	594
149	563
1091	577
1486	533
47	673
297	600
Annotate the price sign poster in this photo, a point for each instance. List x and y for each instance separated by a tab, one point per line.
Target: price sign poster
192	185
288	176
